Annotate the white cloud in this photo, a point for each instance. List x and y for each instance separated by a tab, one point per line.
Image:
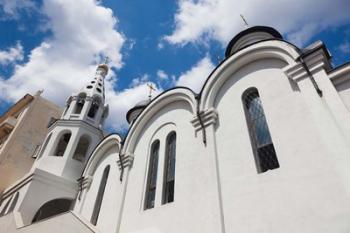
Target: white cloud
140	80
12	54
200	20
196	76
345	47
11	8
82	32
162	75
120	103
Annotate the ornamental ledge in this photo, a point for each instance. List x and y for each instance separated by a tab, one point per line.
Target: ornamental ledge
208	117
315	62
126	160
86	182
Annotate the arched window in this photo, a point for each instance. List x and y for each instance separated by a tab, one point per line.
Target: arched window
44	145
264	151
82	148
94	107
152	176
52	208
13	203
99	197
3	211
80	103
169	169
62	144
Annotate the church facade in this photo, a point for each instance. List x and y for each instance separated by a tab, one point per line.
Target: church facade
264	147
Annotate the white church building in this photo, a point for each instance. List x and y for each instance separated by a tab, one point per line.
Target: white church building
263	148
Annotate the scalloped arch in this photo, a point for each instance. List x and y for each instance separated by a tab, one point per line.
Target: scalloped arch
110	143
274	49
170	96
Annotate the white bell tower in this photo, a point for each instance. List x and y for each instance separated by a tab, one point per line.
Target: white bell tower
73	137
51	186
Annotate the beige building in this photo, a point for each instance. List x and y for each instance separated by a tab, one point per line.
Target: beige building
22	129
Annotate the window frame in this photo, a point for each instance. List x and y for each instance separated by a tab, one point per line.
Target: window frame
169	184
257	147
152	172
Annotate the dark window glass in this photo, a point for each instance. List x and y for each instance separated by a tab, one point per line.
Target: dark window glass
99	198
152	176
169	169
264	151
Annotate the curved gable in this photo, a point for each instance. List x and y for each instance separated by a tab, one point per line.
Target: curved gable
110	144
179	94
271	49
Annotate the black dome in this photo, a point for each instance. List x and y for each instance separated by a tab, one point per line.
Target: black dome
246	38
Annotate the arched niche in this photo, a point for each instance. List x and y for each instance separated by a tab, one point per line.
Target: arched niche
62	143
82	148
52	208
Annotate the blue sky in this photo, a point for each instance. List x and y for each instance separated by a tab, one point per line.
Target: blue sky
55	44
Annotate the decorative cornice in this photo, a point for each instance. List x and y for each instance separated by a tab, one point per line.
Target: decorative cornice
340	74
77	123
315	61
208	117
126	160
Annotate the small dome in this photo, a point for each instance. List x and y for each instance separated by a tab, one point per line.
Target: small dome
251	36
134	112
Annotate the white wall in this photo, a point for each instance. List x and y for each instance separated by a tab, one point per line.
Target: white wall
109	211
195	206
307	193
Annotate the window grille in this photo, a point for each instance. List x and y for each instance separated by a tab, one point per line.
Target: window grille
264	151
169	169
152	176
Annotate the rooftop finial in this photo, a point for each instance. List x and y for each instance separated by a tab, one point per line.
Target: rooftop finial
246	25
151	88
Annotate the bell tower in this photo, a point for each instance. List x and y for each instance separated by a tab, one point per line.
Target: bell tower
51	186
72	138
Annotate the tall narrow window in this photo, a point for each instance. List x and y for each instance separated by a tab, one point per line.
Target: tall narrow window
169	169
152	176
82	148
62	144
264	151
99	198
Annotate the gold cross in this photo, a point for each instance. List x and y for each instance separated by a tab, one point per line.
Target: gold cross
151	88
